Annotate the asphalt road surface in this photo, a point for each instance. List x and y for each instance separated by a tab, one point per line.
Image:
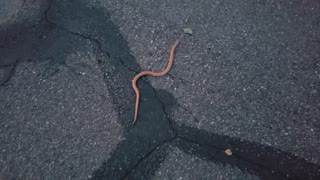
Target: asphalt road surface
247	81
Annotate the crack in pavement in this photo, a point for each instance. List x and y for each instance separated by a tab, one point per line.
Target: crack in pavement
148	155
87	37
77	34
8	73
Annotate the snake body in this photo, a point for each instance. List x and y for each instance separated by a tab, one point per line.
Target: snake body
165	71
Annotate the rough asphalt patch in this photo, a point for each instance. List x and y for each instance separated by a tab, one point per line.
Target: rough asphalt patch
142	148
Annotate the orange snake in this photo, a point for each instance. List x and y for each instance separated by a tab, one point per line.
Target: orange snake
165	71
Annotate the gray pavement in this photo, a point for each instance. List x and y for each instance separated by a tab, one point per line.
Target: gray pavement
248	79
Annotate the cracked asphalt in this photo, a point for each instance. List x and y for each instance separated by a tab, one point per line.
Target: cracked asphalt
248	79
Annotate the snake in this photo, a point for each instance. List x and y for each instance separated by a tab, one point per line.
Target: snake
162	73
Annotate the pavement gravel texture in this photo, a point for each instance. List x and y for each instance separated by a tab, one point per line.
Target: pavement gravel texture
247	79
